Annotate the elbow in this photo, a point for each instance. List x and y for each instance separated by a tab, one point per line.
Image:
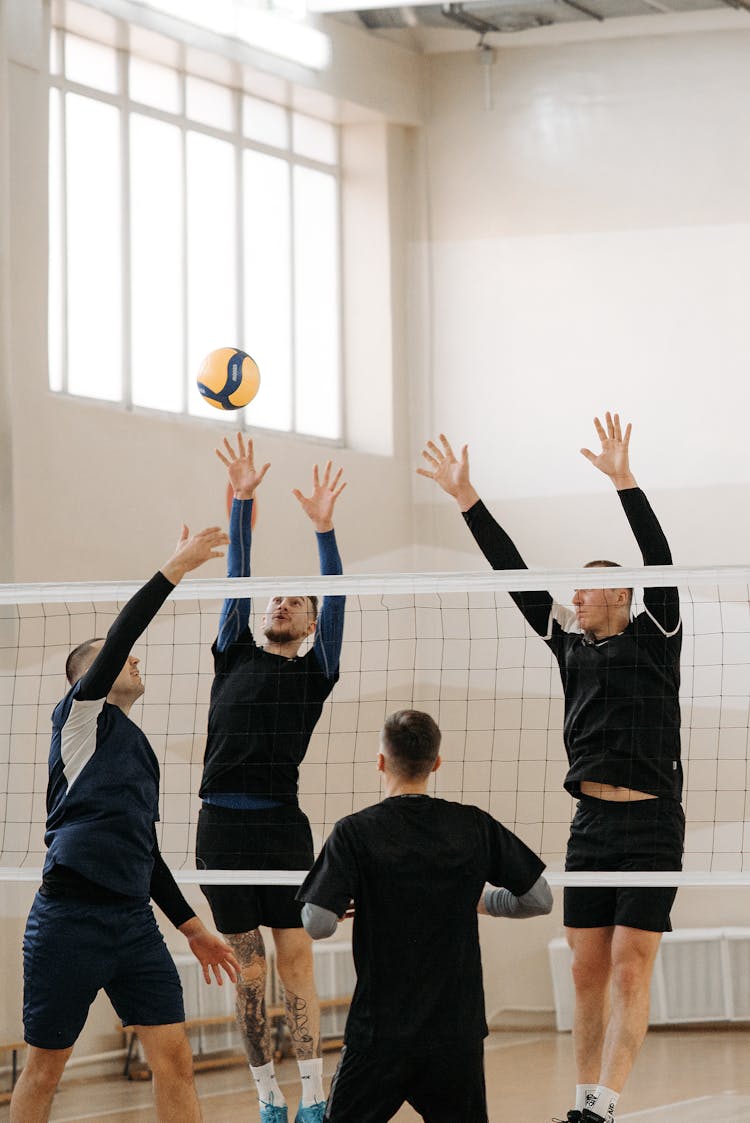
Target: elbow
318	923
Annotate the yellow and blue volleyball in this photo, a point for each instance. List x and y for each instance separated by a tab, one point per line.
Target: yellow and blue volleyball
228	378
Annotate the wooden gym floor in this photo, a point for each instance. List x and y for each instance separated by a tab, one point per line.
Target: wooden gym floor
682	1076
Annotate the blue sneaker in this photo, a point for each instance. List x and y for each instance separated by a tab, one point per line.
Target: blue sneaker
271	1114
313	1113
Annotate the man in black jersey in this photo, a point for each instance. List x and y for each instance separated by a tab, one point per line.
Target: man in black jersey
415	867
620	679
91	926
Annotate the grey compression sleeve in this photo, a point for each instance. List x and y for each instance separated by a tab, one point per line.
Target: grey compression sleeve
318	922
537	902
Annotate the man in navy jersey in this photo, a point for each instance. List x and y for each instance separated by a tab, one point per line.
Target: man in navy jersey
91	926
621	678
265	701
415	867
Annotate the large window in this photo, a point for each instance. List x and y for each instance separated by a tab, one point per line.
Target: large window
184	216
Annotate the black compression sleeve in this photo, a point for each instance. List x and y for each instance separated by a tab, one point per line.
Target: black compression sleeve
501	553
132	621
165	891
662	603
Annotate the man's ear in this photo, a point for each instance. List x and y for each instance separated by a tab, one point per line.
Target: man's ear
438	762
380	765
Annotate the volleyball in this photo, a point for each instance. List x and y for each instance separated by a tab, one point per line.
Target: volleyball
228	378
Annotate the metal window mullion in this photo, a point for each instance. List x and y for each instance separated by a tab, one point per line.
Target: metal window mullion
184	247
240	326
292	293
64	342
340	289
126	303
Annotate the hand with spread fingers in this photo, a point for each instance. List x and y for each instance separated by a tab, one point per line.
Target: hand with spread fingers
613	460
240	465
319	506
449	472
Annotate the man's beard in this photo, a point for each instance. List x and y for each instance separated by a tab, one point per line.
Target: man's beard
280	633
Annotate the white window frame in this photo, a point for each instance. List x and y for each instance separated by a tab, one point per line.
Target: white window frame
123	102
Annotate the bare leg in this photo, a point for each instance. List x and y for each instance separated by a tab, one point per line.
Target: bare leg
251	995
294	960
32	1095
633	955
171	1061
592	969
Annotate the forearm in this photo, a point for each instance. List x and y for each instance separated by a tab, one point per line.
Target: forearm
664	602
132	621
165	892
235	612
319	922
501	902
330	632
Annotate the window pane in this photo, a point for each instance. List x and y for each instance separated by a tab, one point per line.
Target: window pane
155	85
265	122
94	258
212	261
209	103
318	140
268	313
56	336
317	395
91	64
156	264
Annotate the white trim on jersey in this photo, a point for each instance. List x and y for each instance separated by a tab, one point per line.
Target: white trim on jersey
565	617
664	632
78	737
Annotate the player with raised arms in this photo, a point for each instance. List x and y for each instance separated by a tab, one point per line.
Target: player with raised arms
265	702
621	677
91	926
415	867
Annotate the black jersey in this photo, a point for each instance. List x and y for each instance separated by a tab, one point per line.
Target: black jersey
415	867
263	711
622	710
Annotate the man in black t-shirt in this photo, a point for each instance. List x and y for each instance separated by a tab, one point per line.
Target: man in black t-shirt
621	679
415	867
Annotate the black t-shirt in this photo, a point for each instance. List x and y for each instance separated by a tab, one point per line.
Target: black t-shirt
415	867
261	716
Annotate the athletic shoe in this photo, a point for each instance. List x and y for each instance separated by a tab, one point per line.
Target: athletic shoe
271	1114
313	1113
588	1116
573	1116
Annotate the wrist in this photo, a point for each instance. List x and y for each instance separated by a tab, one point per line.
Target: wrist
173	571
466	497
244	493
323	528
192	927
624	482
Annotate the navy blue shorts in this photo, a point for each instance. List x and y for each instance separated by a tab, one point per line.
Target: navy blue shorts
641	835
276	838
72	949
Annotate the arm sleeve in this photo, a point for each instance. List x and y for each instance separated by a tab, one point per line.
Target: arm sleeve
662	604
329	634
235	613
537	902
129	625
165	891
319	922
501	553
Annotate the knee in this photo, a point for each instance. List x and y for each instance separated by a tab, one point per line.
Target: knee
590	973
296	969
173	1061
631	976
43	1075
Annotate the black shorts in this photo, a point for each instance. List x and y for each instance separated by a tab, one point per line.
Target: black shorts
275	838
642	835
445	1086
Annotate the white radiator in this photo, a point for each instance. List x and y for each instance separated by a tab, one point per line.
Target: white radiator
700	975
334	977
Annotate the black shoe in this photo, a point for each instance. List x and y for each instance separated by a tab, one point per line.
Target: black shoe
591	1117
573	1116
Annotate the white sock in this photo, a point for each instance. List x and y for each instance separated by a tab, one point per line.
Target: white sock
582	1092
311	1076
604	1103
269	1091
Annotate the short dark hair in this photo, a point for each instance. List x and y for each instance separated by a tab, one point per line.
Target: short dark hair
602	563
78	661
412	740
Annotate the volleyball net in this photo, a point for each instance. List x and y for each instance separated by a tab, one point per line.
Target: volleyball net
451	644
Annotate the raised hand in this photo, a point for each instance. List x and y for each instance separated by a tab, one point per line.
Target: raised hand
191	552
240	465
449	472
613	460
319	506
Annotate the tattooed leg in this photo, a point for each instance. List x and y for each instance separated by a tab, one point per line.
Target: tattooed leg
251	995
295	965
